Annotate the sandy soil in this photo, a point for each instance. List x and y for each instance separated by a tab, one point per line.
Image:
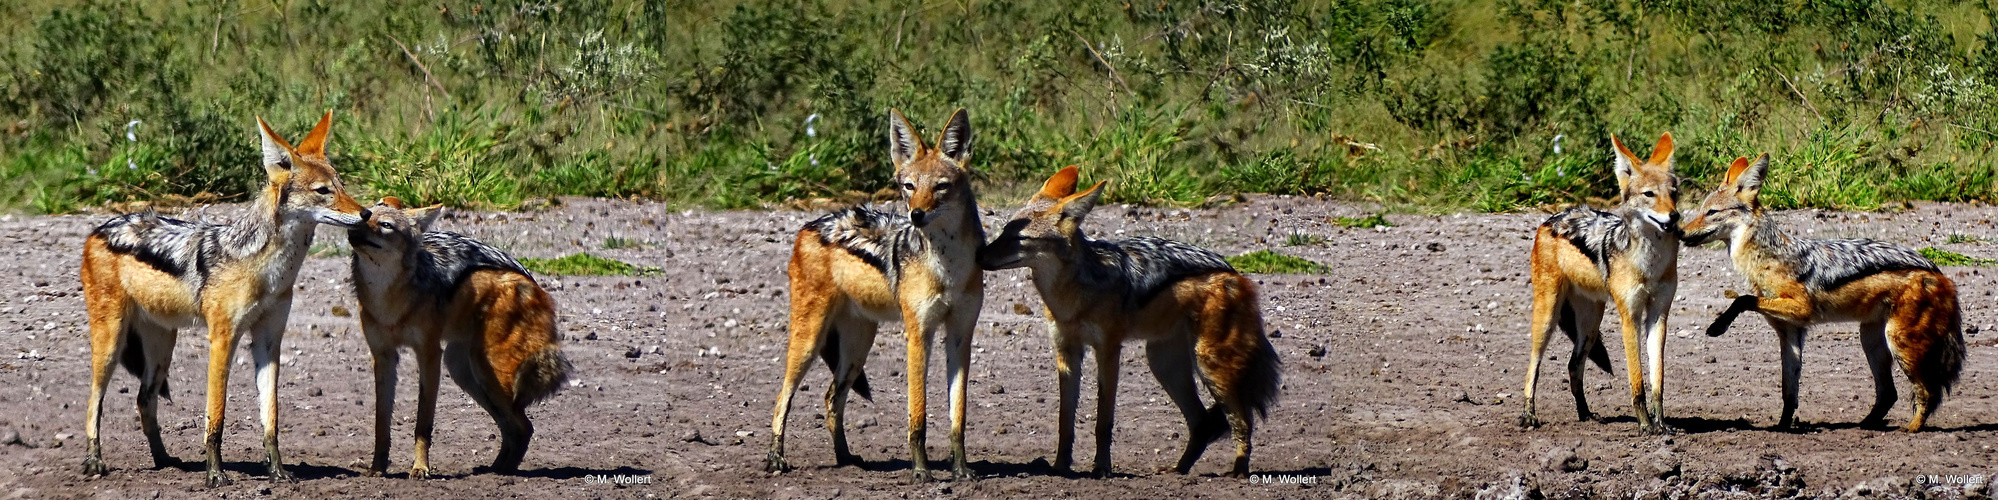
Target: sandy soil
1403	370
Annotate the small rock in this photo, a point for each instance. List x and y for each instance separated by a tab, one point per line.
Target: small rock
1563	459
691	436
998	389
1659	465
1019	308
590	336
1276	334
63	436
1317	351
341	311
10	437
319	432
1434	246
314	392
1711	360
631	352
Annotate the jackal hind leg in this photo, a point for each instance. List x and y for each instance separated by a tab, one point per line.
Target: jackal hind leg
1792	338
1547	305
1880	362
1172	364
855	340
108	333
157	344
1582	321
811	310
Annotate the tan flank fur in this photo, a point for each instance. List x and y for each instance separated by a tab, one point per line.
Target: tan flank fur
1584	259
490	324
146	276
856	268
1906	307
1198	317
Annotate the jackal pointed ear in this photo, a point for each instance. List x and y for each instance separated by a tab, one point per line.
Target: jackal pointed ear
1748	182
424	217
314	143
1662	153
1078	205
277	152
955	141
1625	162
391	202
903	144
1059	186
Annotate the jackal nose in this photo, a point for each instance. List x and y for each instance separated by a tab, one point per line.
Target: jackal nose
918	217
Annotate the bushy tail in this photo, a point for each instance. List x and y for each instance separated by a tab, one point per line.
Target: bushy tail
1597	353
134	359
829	352
1943	362
1235	353
541	375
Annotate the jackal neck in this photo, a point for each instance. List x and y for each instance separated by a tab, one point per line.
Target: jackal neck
1761	237
266	229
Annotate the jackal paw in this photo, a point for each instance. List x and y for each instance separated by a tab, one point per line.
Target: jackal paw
217	479
1238	474
1586	417
419	473
279	475
775	463
94	466
165	462
1527	420
1100	472
1660	429
919	476
373	472
845	460
963	473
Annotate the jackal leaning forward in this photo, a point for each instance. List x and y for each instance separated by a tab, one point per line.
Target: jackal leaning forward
146	276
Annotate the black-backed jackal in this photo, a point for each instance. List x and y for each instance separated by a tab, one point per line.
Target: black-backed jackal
146	276
858	267
1584	258
1196	315
1906	308
451	298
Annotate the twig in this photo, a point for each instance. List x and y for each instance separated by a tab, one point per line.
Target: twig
898	32
427	77
1106	63
1800	95
1974	129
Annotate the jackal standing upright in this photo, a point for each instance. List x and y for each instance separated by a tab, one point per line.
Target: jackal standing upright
453	299
855	268
146	276
1906	308
1197	315
1584	258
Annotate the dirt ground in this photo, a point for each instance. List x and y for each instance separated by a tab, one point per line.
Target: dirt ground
1403	369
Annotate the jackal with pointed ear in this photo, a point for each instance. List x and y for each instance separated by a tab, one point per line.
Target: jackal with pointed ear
146	276
1584	258
1197	316
1906	308
858	267
452	298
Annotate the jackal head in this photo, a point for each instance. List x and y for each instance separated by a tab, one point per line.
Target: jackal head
302	182
936	181
1734	206
391	228
1647	187
1048	231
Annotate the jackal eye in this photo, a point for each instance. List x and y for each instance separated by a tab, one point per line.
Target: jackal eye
386	225
323	190
943	186
909	186
1651	194
1712	211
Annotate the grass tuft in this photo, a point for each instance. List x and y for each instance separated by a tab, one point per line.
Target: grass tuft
1947	258
584	264
1368	222
1268	262
1963	238
1303	240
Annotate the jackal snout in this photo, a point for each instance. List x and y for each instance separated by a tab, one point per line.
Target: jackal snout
310	188
1730	206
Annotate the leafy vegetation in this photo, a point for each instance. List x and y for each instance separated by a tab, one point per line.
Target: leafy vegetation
584	264
1432	103
1947	258
1268	262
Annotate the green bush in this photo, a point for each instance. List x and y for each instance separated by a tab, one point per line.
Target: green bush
1439	104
